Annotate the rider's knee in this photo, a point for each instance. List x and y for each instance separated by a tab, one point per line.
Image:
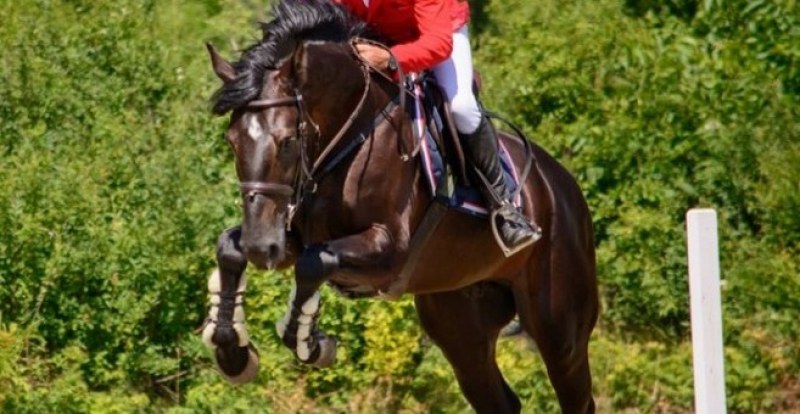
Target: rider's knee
466	113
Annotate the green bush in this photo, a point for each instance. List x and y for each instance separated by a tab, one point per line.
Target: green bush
655	114
116	183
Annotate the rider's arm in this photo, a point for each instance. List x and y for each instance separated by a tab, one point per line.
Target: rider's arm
435	41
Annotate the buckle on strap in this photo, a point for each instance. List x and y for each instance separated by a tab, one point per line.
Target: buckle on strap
310	187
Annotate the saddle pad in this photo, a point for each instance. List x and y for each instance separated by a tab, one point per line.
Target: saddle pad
462	198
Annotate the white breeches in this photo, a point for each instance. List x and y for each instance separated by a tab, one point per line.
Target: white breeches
454	75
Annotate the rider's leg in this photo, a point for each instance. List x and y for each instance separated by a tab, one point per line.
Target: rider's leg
515	230
454	75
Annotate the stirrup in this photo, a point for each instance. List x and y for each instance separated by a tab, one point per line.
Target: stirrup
507	250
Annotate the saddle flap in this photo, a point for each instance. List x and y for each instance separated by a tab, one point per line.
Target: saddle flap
446	171
443	128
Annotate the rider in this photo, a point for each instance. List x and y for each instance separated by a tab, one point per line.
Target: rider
432	34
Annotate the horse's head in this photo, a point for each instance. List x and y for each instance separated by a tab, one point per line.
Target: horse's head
264	142
277	88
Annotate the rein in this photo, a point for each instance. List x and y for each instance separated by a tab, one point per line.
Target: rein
345	127
252	188
311	173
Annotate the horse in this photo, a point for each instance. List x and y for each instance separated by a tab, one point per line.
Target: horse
323	153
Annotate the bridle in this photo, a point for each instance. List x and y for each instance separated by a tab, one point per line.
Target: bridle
250	189
309	173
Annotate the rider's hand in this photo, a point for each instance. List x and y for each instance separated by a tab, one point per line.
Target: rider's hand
375	56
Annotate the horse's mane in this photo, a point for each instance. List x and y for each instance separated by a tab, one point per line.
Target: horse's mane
293	21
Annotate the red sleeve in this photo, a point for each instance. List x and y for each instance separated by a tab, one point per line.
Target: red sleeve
435	41
354	6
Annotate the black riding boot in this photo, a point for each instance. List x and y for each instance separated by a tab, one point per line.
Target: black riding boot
513	228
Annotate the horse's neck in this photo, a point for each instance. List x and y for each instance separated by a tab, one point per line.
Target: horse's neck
352	120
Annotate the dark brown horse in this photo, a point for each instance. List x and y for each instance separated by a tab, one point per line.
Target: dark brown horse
320	147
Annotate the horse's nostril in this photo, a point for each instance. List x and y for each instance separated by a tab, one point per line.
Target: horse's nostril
264	254
273	251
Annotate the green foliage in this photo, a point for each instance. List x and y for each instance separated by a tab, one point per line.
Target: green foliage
109	177
658	114
116	184
647	375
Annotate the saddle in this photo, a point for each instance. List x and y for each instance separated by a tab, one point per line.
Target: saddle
447	171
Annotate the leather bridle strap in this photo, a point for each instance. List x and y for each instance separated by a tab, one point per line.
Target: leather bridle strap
399	82
269	103
252	188
362	136
345	127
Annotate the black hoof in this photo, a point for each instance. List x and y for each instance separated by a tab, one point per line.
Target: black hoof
237	364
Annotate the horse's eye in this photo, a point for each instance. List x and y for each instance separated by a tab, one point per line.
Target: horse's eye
288	144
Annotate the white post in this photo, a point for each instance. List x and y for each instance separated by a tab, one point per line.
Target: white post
709	371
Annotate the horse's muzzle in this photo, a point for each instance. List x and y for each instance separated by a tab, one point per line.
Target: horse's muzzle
264	255
263	234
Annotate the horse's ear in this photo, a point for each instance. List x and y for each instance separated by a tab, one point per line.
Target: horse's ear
300	64
222	68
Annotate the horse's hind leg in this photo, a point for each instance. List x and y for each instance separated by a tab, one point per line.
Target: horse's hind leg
465	325
558	306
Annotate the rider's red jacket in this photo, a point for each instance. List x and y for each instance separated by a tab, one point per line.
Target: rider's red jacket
422	30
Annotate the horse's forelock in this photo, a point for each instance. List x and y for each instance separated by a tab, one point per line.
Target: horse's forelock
293	21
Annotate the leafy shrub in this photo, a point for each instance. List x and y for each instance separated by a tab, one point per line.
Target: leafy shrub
116	184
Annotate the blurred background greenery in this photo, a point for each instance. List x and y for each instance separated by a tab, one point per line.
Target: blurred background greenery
116	182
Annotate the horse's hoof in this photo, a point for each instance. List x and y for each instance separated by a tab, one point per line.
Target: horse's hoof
327	352
240	365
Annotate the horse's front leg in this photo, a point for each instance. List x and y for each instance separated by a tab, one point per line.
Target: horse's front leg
298	328
224	330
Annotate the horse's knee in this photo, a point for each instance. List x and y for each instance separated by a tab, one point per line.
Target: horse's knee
229	253
315	264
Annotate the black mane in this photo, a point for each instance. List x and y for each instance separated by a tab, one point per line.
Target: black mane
293	21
